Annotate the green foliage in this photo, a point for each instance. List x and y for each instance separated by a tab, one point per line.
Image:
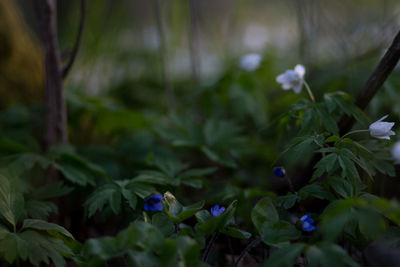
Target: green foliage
176	211
272	230
224	223
142	244
219	140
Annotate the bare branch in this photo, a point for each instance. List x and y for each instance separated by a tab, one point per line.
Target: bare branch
74	52
374	82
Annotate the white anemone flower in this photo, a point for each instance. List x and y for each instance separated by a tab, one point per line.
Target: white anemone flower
381	129
396	152
250	62
292	79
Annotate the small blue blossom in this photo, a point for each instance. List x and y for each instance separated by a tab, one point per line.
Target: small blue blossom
217	211
279	171
307	223
153	203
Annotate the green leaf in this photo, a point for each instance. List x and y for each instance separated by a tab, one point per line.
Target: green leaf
264	212
328	255
328	121
105	248
51	190
315	190
41	247
341	186
163	223
45	226
326	164
13	247
106	194
287	201
140	189
40	209
278	233
208	224
235	232
176	211
285	256
309	122
11	200
78	170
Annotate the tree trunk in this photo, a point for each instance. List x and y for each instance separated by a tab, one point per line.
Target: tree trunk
56	116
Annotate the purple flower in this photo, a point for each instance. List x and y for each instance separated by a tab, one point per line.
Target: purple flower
279	171
217	211
307	223
153	203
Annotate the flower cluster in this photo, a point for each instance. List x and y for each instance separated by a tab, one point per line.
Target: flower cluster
307	223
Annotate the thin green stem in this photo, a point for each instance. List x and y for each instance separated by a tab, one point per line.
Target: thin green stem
353	132
309	91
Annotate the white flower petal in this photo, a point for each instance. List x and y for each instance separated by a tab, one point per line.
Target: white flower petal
297	88
384	117
396	152
287	77
250	62
287	86
300	70
381	129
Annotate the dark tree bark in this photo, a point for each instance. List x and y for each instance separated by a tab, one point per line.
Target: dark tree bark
56	116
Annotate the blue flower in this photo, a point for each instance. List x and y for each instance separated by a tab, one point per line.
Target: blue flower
217	211
307	223
153	203
279	171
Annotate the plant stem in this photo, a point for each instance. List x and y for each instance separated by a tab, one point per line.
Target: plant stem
209	246
353	132
251	245
309	91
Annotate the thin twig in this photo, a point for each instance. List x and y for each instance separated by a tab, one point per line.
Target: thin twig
163	56
251	245
74	52
209	246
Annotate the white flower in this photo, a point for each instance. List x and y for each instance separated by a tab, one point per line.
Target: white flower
396	152
292	79
250	62
381	129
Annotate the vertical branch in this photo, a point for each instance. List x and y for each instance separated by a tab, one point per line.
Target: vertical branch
194	40
169	90
56	117
74	52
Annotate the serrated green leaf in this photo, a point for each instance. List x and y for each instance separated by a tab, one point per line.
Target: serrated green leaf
11	200
45	226
106	194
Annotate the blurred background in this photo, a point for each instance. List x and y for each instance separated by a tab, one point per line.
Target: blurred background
140	61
